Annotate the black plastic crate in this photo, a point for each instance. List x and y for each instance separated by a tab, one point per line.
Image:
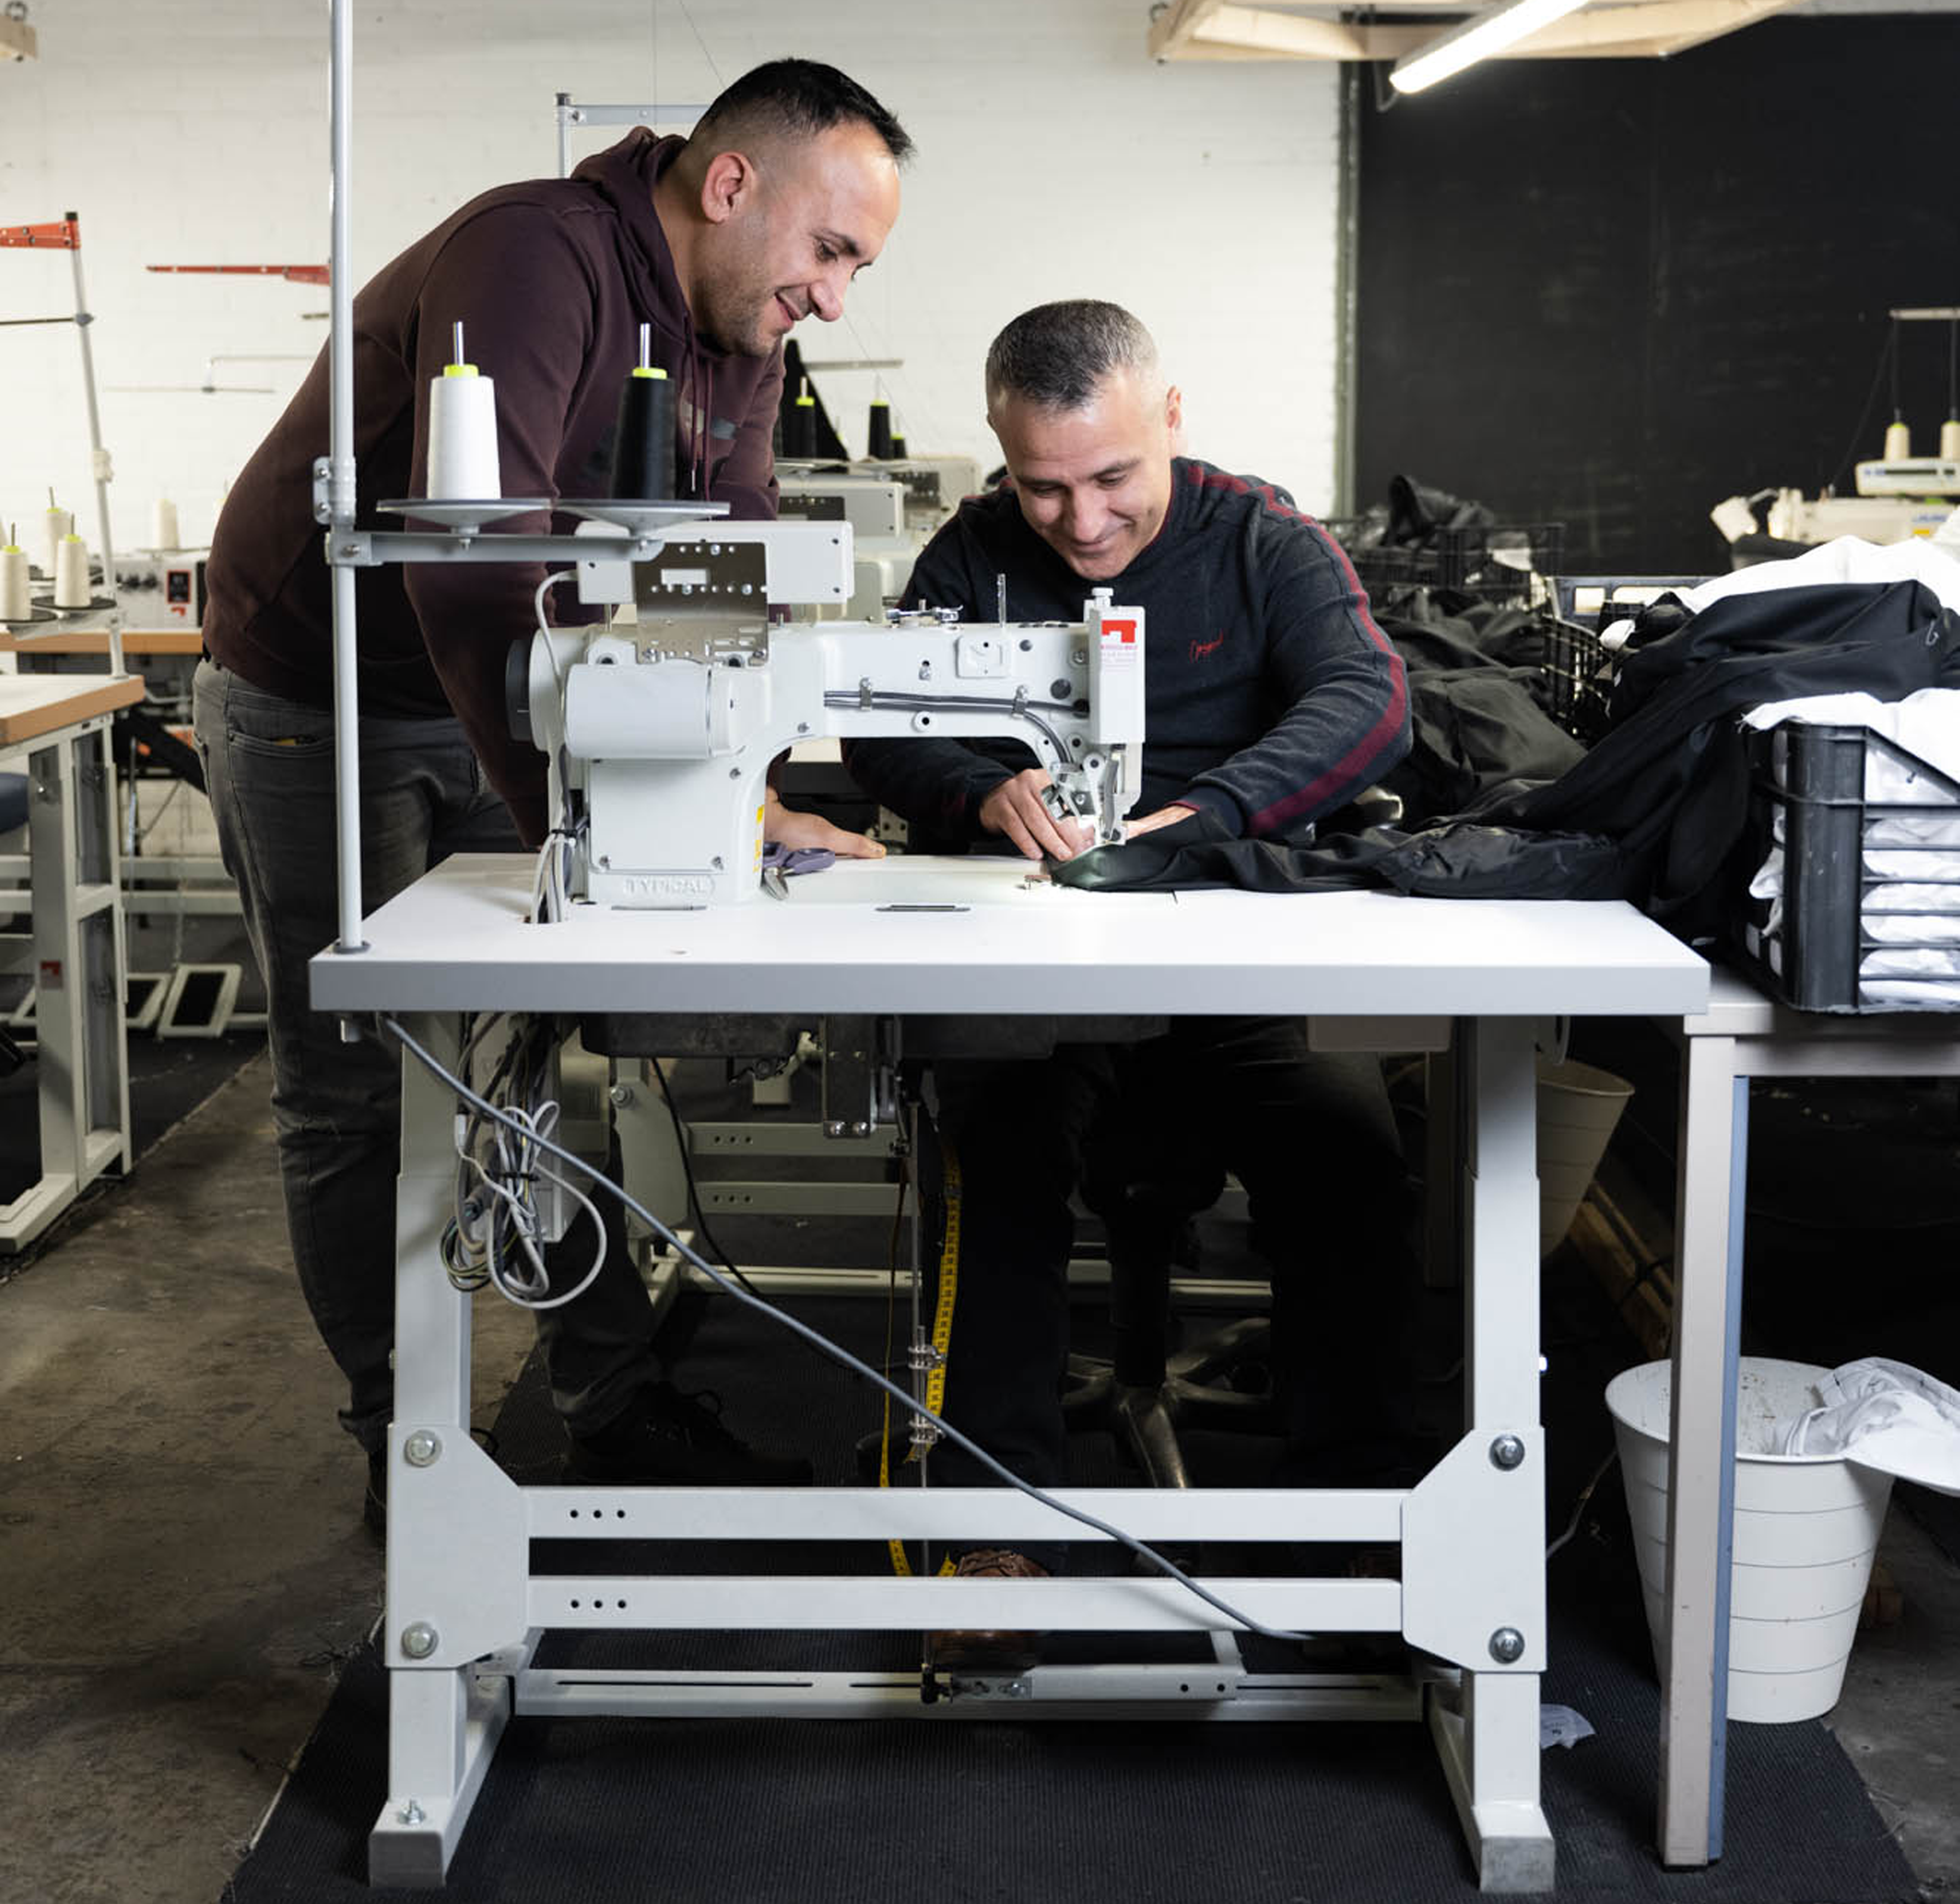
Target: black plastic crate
1493	562
1578	679
1807	784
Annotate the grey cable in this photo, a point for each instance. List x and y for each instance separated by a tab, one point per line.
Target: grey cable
844	1357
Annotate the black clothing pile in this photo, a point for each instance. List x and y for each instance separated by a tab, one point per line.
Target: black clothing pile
1482	700
1654	813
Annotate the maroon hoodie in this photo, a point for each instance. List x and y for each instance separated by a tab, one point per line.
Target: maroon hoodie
552	280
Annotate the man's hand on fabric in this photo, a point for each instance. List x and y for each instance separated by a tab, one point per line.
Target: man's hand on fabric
1018	810
784	826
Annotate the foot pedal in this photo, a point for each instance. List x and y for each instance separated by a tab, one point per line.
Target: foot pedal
197	1001
143	999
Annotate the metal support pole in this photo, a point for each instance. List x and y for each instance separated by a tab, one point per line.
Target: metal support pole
98	456
340	486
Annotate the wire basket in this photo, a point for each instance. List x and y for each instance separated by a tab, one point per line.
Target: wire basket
1576	673
1493	562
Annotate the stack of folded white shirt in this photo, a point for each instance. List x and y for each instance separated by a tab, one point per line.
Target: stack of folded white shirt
1910	909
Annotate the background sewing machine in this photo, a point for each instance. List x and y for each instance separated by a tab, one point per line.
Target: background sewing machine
1899	496
893	508
661	724
886	534
1883	510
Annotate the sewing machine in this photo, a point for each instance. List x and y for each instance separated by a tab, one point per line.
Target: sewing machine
661	722
933	486
887	531
1876	516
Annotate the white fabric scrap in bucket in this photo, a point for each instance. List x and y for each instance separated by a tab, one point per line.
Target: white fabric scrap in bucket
1882	1415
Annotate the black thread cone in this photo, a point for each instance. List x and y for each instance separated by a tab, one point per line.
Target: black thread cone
643	443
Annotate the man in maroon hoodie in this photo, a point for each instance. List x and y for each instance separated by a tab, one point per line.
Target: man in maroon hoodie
719	242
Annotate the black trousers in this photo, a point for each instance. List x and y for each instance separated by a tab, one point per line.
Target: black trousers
1147	1131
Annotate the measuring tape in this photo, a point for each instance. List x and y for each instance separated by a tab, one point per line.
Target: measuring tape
942	1338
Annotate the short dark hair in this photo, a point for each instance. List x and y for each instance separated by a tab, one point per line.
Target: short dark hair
1057	355
798	96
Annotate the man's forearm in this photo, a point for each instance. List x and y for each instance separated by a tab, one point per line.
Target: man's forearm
938	784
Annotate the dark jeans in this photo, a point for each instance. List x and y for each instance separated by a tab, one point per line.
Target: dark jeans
336	1107
1311	1137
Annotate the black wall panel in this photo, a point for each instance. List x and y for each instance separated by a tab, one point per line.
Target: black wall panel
1612	292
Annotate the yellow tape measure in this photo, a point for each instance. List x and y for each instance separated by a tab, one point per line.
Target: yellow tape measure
942	1339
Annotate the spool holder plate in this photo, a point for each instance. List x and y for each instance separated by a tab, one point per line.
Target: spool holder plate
464	512
637	515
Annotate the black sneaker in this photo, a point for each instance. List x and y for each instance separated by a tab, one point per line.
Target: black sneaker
665	1437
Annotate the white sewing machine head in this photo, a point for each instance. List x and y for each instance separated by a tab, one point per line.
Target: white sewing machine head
660	725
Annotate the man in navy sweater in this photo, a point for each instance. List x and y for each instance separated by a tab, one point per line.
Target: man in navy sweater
1272	699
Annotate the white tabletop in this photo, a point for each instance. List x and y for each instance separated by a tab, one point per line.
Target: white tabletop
991	941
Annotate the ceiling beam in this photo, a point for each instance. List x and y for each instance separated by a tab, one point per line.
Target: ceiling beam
1220	29
1231	32
1730	15
1173	29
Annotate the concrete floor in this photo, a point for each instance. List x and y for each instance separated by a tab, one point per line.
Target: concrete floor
183	1565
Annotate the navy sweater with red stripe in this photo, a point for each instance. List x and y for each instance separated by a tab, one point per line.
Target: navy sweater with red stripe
1272	697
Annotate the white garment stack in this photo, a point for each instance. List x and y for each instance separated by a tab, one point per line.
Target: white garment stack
1909	878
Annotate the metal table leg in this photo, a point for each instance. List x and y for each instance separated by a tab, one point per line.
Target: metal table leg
1490	1748
457	1550
1708	1290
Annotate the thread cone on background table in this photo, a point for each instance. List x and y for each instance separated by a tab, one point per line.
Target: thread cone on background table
164	533
60	523
1806	1529
462	433
878	430
643	441
16	603
800	426
72	573
1949	440
1898	440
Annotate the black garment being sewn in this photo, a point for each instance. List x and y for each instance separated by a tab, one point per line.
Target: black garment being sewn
1653	813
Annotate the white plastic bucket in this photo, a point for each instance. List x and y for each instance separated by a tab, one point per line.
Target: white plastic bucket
1806	1529
1578	1106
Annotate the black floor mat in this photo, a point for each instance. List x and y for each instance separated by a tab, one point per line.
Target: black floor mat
1336	1813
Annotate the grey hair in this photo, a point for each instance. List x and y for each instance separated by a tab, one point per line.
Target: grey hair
1056	356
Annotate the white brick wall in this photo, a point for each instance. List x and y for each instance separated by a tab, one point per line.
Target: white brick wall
1055	160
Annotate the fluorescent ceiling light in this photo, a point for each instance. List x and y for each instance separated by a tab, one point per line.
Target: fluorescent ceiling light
1474	38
